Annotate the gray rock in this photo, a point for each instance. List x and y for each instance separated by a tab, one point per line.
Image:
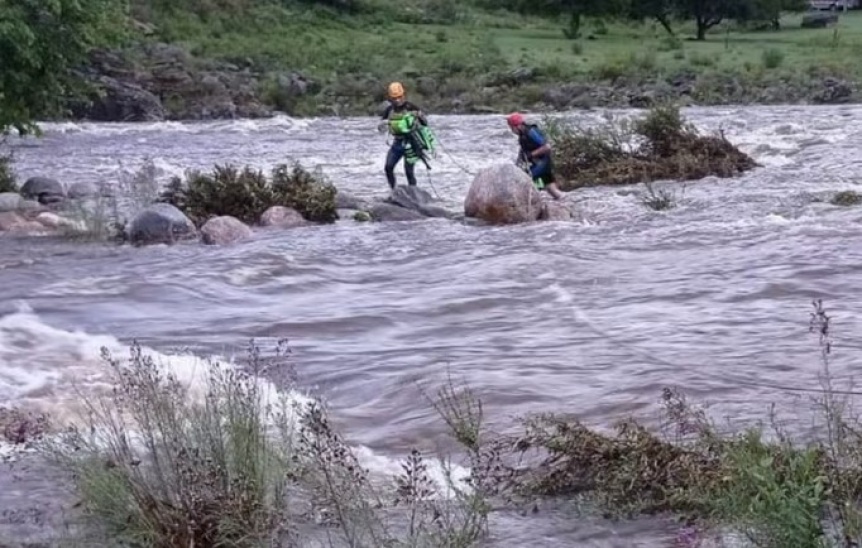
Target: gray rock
160	223
43	189
383	211
224	230
282	217
503	194
555	211
10	201
418	200
121	101
84	189
346	200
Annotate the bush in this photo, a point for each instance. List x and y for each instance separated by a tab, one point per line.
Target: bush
777	493
247	194
7	175
773	58
659	146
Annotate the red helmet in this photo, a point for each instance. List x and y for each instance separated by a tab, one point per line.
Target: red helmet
515	119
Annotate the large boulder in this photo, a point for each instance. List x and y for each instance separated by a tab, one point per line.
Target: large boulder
43	189
503	194
123	102
160	223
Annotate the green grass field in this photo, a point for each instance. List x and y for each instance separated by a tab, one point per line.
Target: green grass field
461	48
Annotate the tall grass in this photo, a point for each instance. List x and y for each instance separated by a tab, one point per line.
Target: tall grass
243	465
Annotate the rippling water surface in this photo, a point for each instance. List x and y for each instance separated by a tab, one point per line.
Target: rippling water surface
592	317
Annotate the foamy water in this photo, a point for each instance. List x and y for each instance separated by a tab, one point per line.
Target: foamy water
591	318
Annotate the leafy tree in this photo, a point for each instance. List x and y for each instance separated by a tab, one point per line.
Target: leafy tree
769	11
41	43
709	13
660	10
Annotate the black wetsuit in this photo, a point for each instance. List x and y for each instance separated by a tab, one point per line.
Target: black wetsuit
397	150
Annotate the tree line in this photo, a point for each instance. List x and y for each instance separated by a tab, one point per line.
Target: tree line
704	13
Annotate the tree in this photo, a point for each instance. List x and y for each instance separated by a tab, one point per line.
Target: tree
709	13
578	9
41	43
660	10
769	11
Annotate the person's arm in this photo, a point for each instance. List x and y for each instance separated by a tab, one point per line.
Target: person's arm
539	139
423	119
384	117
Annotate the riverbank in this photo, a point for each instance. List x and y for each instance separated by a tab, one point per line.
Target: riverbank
315	62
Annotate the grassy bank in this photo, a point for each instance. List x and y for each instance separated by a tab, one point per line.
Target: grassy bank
458	57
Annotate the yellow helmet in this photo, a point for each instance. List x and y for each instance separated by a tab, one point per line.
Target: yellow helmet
396	90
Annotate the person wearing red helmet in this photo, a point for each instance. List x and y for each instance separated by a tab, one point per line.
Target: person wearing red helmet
535	152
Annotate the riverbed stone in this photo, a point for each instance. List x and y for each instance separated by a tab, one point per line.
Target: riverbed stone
224	230
43	189
10	201
160	223
346	200
282	217
503	194
82	189
16	223
553	210
418	200
382	211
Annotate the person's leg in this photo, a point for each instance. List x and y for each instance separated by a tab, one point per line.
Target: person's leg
410	171
396	151
543	169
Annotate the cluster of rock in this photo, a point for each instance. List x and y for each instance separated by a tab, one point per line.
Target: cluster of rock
158	81
501	194
37	207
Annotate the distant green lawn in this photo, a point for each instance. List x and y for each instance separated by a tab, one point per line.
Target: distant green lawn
329	45
649	45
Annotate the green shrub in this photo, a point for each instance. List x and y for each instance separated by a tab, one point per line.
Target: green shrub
7	175
773	58
247	194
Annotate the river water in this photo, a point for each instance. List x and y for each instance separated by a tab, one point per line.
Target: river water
591	317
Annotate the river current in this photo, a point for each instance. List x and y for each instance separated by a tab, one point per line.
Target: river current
591	317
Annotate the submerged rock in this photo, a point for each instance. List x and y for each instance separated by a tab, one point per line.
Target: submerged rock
555	211
224	230
382	211
503	194
282	217
160	223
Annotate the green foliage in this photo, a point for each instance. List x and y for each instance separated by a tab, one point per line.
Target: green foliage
775	493
8	182
659	146
41	42
772	58
846	198
247	194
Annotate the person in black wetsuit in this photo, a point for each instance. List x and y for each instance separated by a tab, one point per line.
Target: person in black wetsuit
535	152
396	117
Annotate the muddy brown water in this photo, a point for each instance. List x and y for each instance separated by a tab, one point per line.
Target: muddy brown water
591	317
